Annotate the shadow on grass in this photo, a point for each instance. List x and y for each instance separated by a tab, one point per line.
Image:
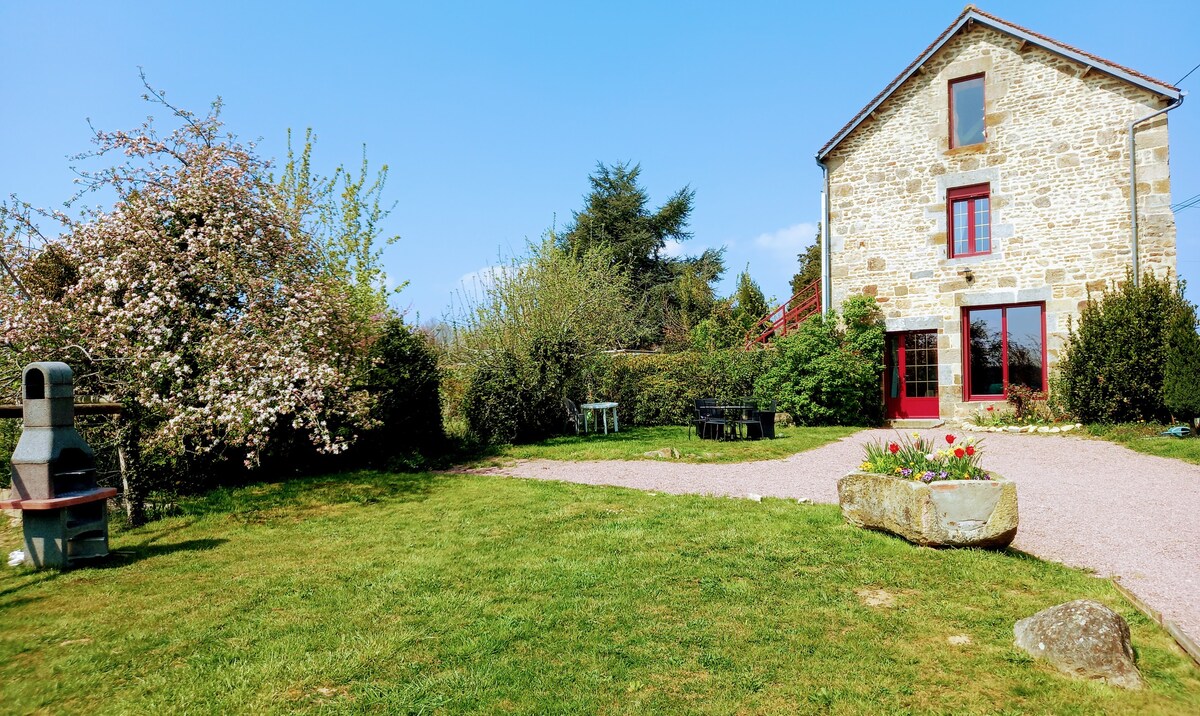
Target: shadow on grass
362	487
468	451
116	558
1007	551
128	555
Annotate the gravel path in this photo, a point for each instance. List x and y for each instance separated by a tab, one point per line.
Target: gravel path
1085	503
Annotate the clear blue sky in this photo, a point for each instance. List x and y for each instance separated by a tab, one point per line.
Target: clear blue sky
491	115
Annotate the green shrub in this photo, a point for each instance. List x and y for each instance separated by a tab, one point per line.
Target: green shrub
1114	364
1181	375
523	341
828	373
721	329
517	397
10	432
662	400
404	380
662	389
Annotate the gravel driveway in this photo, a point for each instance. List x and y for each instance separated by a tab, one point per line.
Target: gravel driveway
1085	503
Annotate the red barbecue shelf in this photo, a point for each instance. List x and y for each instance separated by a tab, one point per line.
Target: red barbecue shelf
55	503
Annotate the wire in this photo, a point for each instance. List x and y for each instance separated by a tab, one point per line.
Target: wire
1186	203
1181	79
1180	204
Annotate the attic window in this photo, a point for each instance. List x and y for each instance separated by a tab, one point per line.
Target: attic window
966	111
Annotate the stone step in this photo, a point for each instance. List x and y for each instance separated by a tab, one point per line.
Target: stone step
916	424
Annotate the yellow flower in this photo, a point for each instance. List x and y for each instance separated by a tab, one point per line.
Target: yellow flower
865	466
898	471
916	435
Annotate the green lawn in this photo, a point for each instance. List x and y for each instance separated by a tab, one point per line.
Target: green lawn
1144	437
472	594
634	443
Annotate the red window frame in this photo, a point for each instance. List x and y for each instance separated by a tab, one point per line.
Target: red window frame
950	107
971	195
966	349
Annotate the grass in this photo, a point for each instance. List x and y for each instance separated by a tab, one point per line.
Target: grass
1145	438
388	593
634	443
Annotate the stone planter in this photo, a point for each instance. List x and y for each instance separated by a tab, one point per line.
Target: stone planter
944	513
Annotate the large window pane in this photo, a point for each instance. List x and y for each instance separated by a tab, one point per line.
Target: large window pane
1025	346
966	106
986	349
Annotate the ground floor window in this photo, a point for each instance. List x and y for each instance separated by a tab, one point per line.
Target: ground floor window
1004	345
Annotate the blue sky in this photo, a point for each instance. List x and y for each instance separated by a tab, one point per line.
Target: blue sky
491	115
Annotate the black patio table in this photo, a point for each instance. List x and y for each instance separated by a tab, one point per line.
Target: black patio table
738	410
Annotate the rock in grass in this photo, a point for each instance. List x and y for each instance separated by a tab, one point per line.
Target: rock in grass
1084	639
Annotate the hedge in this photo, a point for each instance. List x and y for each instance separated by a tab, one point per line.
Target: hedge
662	388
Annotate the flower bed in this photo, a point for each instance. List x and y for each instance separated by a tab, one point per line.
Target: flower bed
920	459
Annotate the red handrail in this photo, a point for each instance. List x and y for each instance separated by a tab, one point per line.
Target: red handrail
786	317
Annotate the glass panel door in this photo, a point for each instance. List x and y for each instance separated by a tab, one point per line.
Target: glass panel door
911	376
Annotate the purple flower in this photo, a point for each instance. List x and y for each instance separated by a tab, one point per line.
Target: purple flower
927	477
906	472
942	475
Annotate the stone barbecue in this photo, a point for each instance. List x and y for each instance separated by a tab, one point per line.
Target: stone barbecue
64	512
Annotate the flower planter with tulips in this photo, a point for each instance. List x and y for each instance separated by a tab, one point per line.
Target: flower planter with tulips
931	494
922	459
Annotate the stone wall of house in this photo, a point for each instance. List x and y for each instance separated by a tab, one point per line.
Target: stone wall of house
1057	160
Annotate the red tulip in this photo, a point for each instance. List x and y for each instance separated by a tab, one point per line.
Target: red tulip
991	408
970	449
950	439
893	448
959	452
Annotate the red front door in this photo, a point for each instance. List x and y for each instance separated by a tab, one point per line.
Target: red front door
910	379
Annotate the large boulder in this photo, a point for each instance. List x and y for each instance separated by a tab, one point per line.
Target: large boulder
1084	639
943	513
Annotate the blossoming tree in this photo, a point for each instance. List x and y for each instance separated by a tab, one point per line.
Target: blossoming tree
192	300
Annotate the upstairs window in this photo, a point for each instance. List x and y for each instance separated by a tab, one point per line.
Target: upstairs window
966	111
970	220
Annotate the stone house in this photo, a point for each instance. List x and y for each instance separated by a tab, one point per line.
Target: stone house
981	196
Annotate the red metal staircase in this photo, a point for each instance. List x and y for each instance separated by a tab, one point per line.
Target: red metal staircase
787	317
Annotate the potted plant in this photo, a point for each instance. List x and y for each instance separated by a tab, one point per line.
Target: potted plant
930	495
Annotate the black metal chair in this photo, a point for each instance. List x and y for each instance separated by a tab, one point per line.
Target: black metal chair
696	421
712	421
766	418
747	422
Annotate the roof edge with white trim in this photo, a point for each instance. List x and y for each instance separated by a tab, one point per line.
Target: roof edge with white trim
973	14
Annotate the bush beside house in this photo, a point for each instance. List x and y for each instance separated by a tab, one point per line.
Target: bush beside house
828	373
1115	364
1181	375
